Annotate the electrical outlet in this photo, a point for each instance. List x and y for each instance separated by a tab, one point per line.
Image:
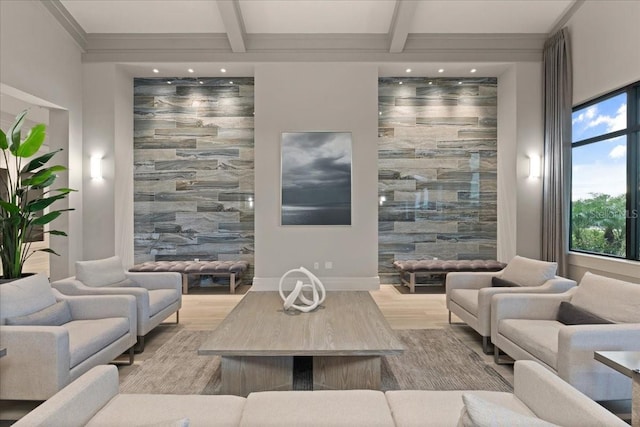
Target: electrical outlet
328	265
316	265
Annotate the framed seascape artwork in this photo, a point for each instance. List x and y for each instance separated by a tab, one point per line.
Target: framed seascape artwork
316	178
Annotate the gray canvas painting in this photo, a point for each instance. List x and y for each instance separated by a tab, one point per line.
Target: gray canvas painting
316	178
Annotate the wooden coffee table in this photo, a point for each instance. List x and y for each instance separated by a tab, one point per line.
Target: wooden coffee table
346	337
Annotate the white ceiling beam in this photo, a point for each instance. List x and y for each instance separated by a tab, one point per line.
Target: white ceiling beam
233	23
571	9
400	24
67	21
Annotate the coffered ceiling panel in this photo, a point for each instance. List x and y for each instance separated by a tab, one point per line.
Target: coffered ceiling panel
317	16
489	16
146	16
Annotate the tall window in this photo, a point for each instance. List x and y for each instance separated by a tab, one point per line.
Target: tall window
605	186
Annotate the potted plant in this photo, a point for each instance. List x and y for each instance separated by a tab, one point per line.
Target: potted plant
25	194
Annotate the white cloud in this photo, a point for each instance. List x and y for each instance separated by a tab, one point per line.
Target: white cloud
619	121
590	113
619	151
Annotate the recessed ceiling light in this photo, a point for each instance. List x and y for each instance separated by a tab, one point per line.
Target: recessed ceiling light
230	83
190	70
430	83
155	70
459	83
399	83
379	113
201	82
441	70
168	82
223	70
408	70
473	70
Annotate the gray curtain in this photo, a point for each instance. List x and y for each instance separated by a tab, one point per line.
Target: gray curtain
558	92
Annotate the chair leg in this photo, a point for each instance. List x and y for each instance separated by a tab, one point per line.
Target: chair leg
486	341
496	357
131	355
449	316
177	317
139	347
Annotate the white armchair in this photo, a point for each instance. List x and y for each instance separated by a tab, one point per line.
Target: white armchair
52	339
525	328
158	294
468	295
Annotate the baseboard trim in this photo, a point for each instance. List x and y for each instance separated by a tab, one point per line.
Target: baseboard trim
330	283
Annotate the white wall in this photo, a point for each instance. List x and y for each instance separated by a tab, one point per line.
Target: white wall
520	135
314	97
41	62
604	41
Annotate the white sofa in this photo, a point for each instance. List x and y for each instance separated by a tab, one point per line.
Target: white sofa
93	400
49	344
468	295
525	327
158	294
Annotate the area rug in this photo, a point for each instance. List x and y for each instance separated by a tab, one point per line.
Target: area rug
434	359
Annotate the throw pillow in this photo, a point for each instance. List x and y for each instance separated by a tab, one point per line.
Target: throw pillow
54	315
100	272
498	282
478	412
570	314
126	283
529	272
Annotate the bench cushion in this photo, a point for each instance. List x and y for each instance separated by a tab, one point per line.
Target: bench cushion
448	266
193	267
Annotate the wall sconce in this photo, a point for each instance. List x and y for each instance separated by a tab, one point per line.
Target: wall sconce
96	167
535	167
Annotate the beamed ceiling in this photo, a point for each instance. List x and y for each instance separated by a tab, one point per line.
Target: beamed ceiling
140	32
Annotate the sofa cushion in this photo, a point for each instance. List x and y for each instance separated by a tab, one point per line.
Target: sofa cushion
159	299
418	408
467	299
569	314
138	410
348	408
54	315
478	412
100	272
126	283
25	296
87	337
538	337
498	282
182	422
611	299
529	272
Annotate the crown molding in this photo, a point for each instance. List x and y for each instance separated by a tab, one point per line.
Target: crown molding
313	47
68	22
566	16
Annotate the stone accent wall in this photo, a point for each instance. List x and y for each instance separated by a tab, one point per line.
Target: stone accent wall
437	158
194	169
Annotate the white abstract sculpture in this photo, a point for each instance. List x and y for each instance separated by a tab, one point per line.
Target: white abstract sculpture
296	294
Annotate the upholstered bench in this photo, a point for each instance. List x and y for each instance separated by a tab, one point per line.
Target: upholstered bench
232	269
425	267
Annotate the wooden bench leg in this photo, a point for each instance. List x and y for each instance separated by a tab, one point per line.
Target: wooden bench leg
185	283
412	283
232	283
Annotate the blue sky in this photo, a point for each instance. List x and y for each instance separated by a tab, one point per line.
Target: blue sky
600	167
